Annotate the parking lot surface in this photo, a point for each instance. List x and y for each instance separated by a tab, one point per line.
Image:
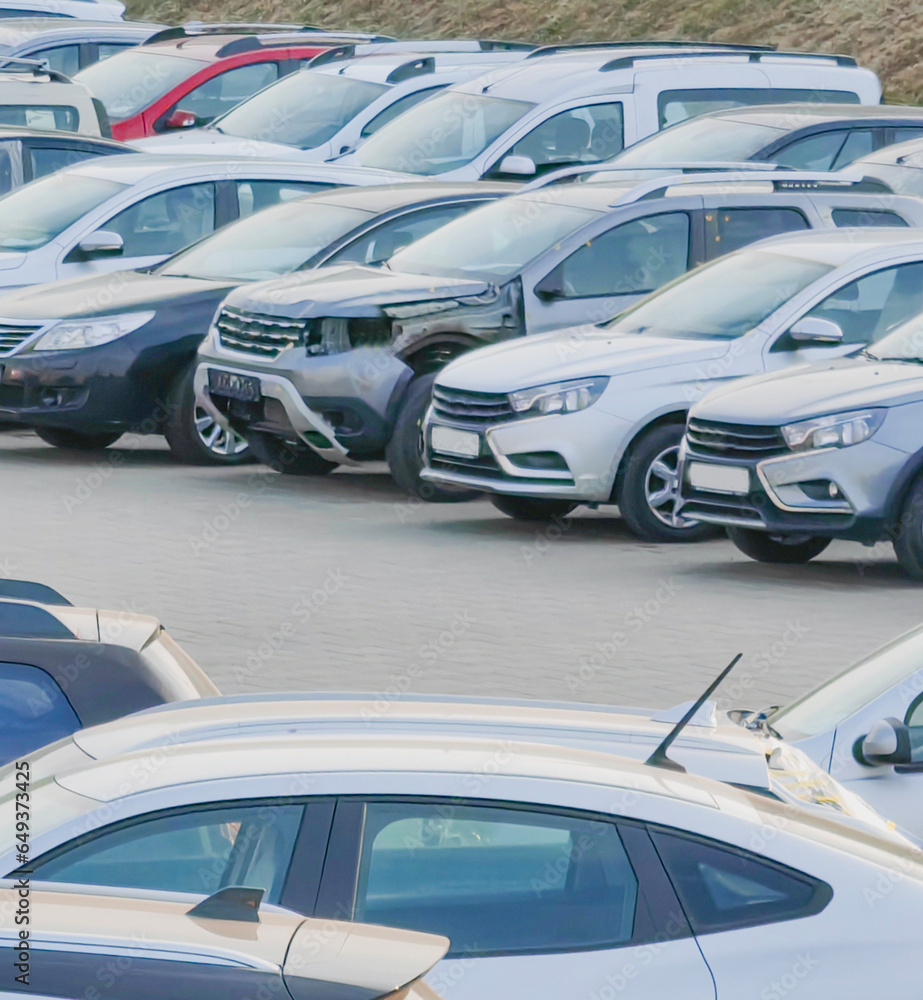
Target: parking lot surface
342	583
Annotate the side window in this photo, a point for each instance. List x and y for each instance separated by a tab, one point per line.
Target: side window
728	229
385	240
48	159
502	880
197	850
581	135
33	711
63	58
9	151
859	142
222	92
59	117
722	888
678	105
166	222
401	105
635	257
107	49
254	195
845	217
813	152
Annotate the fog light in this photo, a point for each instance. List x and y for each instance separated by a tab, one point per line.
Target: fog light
50	398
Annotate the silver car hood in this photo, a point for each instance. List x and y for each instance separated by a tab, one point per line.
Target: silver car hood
208	142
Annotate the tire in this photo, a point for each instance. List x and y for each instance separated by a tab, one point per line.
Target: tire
290	459
649	490
75	441
193	435
531	509
404	451
767	548
908	537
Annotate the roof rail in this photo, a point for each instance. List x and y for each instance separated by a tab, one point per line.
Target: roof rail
38	67
191	29
408	70
682	167
386	46
625	62
248	43
547	50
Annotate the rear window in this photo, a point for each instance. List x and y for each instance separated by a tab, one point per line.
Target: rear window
33	711
48	117
846	217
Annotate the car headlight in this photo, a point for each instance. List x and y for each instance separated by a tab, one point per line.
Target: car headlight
559	397
840	430
72	334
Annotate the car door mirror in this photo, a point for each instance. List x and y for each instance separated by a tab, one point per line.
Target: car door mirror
887	742
180	119
517	166
814	330
551	286
102	243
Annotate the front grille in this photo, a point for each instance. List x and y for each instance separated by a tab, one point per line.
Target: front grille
472	408
747	441
254	333
485	466
12	336
736	508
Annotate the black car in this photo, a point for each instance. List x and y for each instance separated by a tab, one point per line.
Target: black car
141	381
801	136
26	153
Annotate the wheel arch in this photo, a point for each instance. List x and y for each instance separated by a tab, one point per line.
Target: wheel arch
901	487
437	350
672	416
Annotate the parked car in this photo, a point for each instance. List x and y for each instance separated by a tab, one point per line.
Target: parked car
224	947
801	136
68	45
583	104
63	668
142	381
596	415
186	76
341	98
548	868
793	460
27	154
93	10
33	96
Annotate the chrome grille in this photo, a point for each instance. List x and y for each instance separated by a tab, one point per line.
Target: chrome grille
475	408
254	333
12	336
707	437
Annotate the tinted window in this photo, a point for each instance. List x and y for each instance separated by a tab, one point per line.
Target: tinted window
495	879
722	887
582	135
728	229
46	117
678	105
48	159
33	711
199	850
635	257
224	91
867	217
63	58
255	195
108	49
401	105
166	222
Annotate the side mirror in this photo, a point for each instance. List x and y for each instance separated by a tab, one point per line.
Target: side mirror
180	119
518	166
551	286
814	330
887	742
102	243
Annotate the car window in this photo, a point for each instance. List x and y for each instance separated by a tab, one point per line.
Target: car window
165	222
196	850
224	91
401	105
859	142
385	240
728	229
47	159
8	152
867	217
581	135
722	887
495	879
637	256
107	49
64	58
252	196
914	715
33	710
49	118
678	105
812	152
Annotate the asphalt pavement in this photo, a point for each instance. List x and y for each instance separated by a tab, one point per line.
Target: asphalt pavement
275	582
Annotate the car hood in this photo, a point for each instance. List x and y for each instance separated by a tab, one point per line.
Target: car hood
103	295
572	353
814	390
350	291
206	142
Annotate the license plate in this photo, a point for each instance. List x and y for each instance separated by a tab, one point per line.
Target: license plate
719	478
244	387
453	442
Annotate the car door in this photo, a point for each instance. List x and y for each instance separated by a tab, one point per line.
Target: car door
730	227
537	902
609	271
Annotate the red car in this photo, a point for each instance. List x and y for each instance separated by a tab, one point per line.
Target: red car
186	76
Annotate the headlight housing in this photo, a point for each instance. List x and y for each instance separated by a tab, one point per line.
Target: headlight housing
73	334
840	430
558	397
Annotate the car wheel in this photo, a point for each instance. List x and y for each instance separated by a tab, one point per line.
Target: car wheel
291	459
649	492
764	547
404	451
193	434
531	509
908	539
74	440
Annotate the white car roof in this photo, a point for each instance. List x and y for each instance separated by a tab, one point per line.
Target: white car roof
17	31
378	67
840	246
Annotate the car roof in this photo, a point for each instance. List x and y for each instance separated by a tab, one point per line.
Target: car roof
382	198
17	30
391	67
202	42
22	132
788	117
904	154
840	246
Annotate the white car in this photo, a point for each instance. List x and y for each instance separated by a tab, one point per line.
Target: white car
555	872
333	105
583	104
605	406
90	10
34	96
117	213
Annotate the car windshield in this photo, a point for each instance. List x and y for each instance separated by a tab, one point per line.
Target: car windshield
722	300
701	139
131	81
42	210
494	242
824	708
446	132
304	110
268	244
903	344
